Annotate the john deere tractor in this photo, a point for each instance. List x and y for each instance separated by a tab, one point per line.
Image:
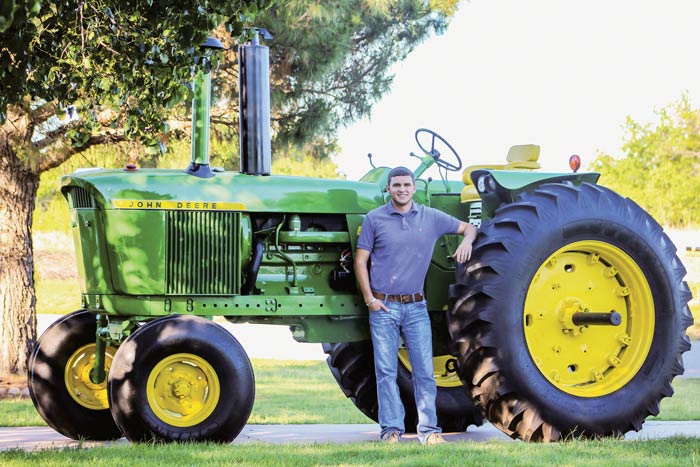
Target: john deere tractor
569	320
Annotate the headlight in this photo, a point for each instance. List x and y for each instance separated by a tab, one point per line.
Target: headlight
485	183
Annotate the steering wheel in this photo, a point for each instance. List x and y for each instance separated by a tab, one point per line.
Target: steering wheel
434	151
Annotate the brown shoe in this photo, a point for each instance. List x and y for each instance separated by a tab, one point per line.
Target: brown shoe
391	437
434	438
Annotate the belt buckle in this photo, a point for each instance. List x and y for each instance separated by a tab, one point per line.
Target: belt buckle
406	298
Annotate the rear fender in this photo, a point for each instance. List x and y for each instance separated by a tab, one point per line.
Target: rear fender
497	187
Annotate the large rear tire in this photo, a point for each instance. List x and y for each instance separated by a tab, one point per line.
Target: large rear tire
352	366
181	378
60	384
553	253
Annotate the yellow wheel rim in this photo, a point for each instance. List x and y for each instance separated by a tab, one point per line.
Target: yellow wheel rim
444	369
90	395
183	390
590	360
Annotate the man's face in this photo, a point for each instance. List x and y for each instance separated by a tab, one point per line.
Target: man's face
401	189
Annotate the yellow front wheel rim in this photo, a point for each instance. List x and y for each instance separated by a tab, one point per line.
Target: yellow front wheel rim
183	390
80	386
597	359
444	368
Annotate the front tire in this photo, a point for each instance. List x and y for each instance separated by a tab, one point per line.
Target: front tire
181	378
555	252
60	384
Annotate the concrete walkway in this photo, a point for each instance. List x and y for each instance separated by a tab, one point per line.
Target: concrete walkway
33	438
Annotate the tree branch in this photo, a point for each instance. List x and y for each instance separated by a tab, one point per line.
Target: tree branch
62	151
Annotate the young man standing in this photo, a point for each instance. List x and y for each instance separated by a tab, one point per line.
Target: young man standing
399	237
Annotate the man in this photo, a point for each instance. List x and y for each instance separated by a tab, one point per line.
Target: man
399	237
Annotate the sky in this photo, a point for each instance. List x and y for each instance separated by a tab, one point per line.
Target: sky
562	74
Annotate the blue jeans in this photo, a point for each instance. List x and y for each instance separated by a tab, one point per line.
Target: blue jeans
386	328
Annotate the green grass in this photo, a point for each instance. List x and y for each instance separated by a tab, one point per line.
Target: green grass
19	412
662	453
684	405
287	392
290	392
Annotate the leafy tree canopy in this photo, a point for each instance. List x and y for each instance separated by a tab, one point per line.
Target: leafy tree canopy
117	63
124	65
661	166
332	60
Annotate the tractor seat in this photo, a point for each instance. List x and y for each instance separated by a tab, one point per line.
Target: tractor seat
520	157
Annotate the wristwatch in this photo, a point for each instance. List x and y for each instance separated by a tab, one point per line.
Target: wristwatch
371	301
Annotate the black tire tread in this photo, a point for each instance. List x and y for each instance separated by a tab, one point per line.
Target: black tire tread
475	316
165	336
46	367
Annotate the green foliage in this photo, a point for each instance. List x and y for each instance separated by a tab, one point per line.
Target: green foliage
134	57
123	67
12	11
661	166
332	60
308	160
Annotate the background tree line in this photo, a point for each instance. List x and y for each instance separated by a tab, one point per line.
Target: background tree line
660	167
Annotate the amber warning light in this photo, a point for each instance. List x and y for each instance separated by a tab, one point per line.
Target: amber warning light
575	163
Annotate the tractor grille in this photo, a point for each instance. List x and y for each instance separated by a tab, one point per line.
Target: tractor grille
80	198
202	249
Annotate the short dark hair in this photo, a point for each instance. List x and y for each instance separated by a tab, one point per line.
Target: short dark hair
399	171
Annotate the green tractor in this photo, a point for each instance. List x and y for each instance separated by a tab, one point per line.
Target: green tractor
569	320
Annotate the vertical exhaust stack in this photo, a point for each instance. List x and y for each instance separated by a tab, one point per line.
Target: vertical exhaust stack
254	105
201	105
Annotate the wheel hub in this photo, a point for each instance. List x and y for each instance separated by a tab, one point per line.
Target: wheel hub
589	318
77	378
183	389
445	369
565	312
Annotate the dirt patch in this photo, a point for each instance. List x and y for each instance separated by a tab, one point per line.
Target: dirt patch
13	386
8	381
53	264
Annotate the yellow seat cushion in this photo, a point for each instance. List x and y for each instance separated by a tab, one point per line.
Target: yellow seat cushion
523	153
469	194
520	157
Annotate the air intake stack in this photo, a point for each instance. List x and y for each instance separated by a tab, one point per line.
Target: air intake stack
254	103
201	105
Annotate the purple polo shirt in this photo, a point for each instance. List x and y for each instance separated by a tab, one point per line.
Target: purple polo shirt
401	245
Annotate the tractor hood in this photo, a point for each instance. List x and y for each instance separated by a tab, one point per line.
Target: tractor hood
228	191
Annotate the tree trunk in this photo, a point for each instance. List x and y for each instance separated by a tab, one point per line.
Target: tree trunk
18	188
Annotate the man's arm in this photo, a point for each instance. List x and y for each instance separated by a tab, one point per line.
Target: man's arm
464	250
362	276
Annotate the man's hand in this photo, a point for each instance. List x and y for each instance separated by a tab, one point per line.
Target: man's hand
464	250
378	305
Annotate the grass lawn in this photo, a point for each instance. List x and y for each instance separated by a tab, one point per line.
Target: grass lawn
291	392
662	453
286	392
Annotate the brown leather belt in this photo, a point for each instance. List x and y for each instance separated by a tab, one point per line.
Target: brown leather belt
416	297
